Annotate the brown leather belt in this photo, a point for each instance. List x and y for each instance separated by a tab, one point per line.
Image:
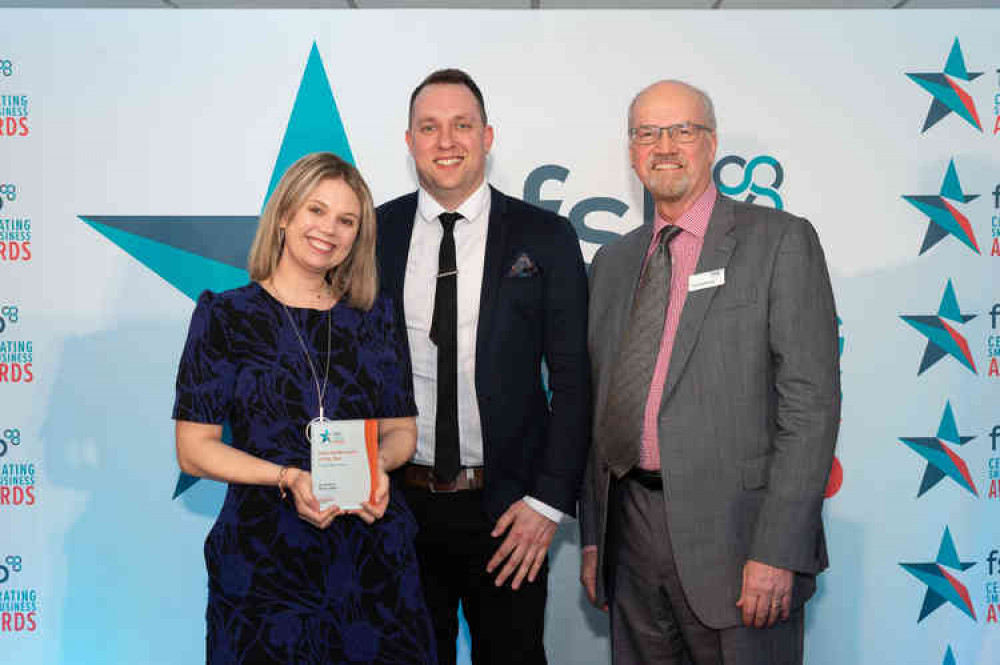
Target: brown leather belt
422	477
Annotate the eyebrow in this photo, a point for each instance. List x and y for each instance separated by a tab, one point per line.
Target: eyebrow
325	204
460	116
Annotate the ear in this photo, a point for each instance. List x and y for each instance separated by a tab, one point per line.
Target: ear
409	141
487	138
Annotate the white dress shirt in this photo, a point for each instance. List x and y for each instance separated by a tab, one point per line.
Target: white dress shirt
419	287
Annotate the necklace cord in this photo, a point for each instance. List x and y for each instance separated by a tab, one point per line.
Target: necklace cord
320	393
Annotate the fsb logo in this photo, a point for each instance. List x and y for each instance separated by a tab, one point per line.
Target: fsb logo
995	219
993	465
16	355
8	192
8	438
993	342
8	316
14	115
18	607
765	163
11	564
578	212
992	587
17	484
15	232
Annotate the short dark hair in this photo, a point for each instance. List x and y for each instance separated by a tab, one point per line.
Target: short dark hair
455	77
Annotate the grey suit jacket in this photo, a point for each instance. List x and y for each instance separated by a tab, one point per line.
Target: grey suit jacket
750	409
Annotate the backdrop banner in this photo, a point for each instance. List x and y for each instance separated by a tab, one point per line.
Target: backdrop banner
138	147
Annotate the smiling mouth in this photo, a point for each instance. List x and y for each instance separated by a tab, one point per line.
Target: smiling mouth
667	166
448	161
321	245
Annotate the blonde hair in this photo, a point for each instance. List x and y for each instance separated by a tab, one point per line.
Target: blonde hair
356	278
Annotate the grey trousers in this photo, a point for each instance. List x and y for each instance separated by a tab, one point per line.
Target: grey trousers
651	621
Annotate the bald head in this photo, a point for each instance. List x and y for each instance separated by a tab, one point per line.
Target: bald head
675	168
670	90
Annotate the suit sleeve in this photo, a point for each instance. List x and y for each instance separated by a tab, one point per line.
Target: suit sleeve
557	482
589	500
805	364
589	513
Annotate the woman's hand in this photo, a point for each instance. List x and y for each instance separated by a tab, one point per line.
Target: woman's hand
397	439
373	510
299	484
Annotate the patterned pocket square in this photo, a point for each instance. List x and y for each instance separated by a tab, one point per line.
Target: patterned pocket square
523	267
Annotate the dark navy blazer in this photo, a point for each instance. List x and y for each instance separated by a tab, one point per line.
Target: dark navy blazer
533	307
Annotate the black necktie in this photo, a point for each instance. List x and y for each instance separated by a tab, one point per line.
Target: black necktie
444	333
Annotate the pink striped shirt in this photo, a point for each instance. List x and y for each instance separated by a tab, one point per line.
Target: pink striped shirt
685	249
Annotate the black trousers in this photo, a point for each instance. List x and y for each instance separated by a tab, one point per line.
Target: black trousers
453	547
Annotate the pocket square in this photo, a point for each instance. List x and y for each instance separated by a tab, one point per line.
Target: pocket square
523	267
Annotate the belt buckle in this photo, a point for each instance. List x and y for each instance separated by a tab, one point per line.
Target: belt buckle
443	488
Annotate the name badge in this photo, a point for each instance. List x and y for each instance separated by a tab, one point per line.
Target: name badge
707	280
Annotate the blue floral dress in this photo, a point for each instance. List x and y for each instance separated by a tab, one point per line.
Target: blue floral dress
279	589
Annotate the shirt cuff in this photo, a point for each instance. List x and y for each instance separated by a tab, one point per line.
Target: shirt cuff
545	510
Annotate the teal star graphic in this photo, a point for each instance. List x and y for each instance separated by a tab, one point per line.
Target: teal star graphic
209	252
942	586
941	460
326	436
949	657
942	338
944	218
948	96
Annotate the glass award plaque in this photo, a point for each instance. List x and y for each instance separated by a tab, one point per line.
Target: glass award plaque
344	462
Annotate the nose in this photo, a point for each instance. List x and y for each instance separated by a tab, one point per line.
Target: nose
665	139
339	228
445	137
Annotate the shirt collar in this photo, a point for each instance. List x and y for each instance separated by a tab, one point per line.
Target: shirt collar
695	219
471	208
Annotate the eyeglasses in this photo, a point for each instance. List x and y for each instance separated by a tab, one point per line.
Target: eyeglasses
684	132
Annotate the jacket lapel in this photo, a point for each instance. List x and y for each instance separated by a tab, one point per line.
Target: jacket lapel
496	242
395	249
609	320
628	268
715	253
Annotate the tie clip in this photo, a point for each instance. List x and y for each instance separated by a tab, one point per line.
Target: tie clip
447	274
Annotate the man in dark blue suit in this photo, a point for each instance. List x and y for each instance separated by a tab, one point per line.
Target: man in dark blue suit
489	287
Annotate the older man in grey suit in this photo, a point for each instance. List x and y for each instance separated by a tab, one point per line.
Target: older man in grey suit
713	346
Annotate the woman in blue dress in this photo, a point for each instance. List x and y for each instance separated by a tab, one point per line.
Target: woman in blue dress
289	582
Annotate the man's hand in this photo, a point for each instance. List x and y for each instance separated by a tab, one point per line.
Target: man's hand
529	534
767	594
588	575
